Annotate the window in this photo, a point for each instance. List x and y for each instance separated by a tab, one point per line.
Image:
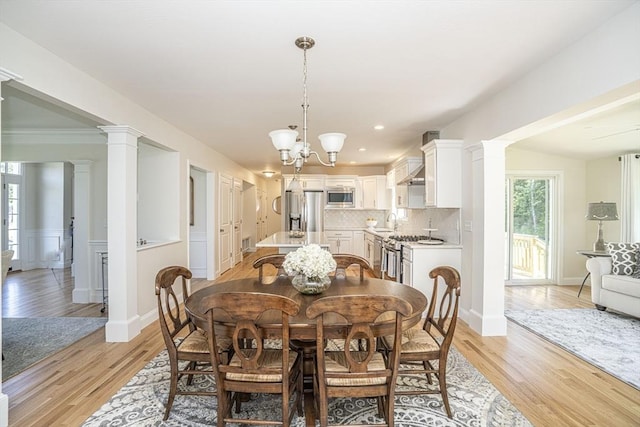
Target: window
11	181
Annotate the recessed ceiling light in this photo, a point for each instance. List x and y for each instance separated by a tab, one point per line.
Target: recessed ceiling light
362	149
378	127
353	162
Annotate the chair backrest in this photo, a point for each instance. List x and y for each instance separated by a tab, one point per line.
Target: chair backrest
243	310
275	260
344	261
445	322
172	317
7	256
361	312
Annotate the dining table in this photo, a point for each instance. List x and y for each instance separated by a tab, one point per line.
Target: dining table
301	327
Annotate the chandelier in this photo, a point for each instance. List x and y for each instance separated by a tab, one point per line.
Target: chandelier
293	150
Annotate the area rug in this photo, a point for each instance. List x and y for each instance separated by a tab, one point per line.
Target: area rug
610	341
26	341
474	402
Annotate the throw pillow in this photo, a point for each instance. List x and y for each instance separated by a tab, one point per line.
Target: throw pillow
623	258
636	274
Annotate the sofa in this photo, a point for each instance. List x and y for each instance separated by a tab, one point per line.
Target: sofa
615	291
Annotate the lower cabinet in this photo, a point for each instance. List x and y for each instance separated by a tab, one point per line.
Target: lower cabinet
358	243
417	263
340	242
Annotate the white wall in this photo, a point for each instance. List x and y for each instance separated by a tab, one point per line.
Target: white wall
46	209
603	184
602	67
39	147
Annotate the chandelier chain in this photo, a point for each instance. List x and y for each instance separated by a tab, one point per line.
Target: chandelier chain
305	99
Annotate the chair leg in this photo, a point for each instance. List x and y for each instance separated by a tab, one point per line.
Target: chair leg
191	367
427	366
173	387
442	379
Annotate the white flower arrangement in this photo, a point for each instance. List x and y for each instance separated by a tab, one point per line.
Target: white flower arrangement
311	261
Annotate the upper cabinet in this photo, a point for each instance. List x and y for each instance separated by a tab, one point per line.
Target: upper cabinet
375	194
308	182
341	181
405	167
408	196
443	173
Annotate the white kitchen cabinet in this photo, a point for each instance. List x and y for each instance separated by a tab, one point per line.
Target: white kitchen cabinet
443	173
417	263
340	241
410	196
375	194
369	248
341	181
358	243
308	182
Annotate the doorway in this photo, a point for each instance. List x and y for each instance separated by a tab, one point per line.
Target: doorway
530	229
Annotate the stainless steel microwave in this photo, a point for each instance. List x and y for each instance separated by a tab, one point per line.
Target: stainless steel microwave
341	197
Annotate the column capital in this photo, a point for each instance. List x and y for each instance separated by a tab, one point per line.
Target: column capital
119	129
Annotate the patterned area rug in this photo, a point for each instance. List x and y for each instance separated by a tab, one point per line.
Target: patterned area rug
26	341
610	341
473	399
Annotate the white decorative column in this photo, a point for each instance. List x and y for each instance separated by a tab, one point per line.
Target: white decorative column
122	158
487	279
81	214
5	75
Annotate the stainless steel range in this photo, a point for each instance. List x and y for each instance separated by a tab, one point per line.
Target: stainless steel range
392	254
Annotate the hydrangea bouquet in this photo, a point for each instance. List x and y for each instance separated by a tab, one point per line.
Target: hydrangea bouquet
311	261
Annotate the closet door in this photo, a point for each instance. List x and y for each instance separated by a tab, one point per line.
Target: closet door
225	225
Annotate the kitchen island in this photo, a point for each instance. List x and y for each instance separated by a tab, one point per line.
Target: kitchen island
286	243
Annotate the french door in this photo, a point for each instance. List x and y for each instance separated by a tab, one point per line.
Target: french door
11	182
530	229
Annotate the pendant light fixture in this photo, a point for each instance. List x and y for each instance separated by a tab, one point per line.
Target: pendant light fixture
295	151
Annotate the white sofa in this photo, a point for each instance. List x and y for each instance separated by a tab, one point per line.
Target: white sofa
620	293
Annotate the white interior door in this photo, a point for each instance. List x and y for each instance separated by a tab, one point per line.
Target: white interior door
225	225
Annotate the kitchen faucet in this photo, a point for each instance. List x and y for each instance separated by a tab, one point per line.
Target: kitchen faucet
395	221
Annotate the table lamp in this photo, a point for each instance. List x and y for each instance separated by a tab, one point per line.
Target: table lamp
601	211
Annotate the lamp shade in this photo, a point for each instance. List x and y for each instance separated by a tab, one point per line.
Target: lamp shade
332	142
602	211
283	139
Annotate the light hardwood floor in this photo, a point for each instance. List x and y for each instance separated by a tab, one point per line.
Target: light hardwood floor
550	386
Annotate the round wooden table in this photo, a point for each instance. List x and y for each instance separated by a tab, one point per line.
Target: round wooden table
300	326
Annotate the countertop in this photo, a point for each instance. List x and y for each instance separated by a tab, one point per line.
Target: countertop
281	239
418	246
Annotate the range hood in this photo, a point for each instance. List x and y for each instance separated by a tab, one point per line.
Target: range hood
417	176
414	178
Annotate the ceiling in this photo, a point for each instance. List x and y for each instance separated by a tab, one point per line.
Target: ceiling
228	72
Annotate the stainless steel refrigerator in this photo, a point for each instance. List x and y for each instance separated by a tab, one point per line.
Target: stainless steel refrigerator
304	210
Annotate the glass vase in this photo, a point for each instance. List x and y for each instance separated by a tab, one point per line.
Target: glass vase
310	285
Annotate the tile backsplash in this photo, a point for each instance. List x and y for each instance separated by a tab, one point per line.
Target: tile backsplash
447	221
352	218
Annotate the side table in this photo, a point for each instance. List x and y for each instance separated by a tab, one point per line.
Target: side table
590	254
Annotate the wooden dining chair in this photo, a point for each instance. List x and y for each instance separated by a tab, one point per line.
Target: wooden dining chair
431	340
344	261
253	368
350	371
274	260
174	324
